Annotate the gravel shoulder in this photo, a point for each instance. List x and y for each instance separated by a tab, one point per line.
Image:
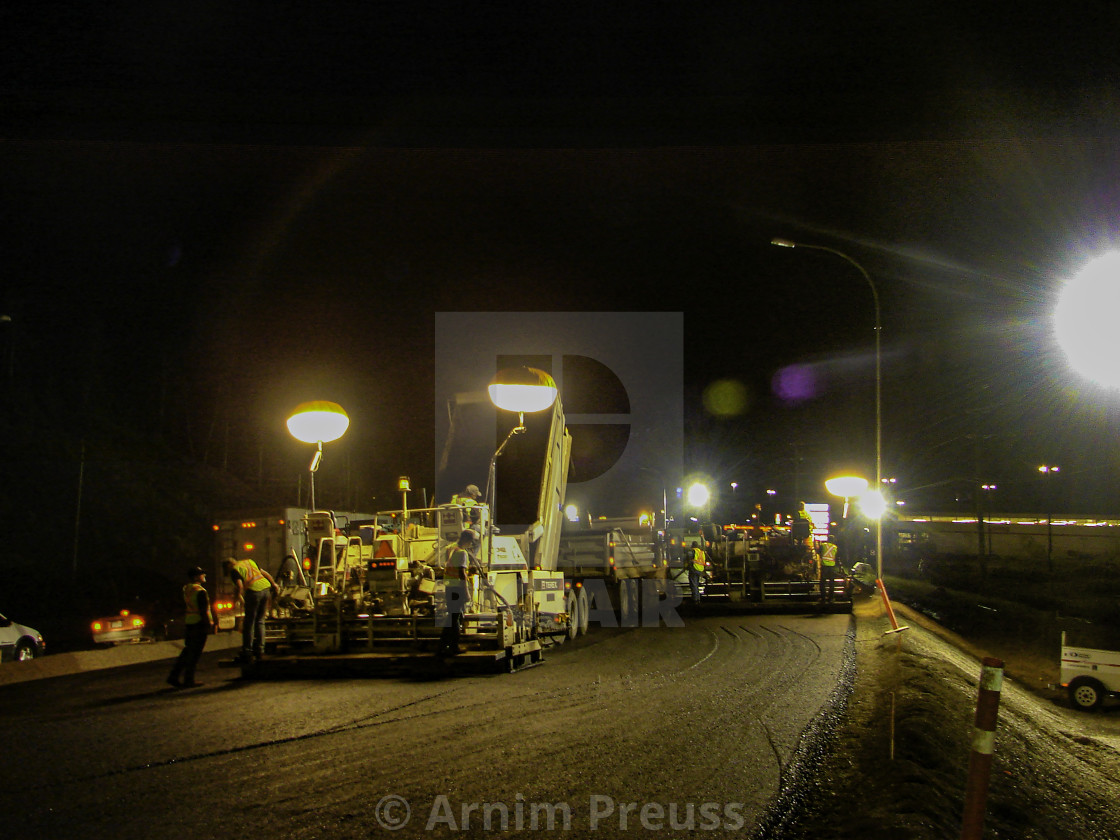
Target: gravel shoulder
898	763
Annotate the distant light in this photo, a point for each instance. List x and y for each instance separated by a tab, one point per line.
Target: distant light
319	421
523	389
572	512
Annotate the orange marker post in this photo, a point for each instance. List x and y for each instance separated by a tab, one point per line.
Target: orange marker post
983	748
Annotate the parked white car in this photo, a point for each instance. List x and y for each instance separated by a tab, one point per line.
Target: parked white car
19	642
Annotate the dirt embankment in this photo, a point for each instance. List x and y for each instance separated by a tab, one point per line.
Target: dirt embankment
899	763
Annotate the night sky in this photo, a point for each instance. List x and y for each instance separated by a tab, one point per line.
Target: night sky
214	211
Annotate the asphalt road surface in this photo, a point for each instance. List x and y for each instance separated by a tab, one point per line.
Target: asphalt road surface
644	732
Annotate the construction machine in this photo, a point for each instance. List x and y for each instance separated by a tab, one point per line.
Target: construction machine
375	590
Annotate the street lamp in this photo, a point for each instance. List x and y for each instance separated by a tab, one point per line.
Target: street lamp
517	389
699	497
846	487
318	422
788	243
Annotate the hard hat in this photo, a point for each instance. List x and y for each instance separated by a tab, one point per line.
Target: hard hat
195	571
473	490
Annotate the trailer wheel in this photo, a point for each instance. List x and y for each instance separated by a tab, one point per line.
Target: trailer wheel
571	604
1086	693
583	609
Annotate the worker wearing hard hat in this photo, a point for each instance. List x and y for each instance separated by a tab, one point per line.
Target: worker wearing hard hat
469	496
469	500
456	593
200	623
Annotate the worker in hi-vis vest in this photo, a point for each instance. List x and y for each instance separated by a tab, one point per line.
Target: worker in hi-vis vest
456	592
697	563
254	585
200	623
828	551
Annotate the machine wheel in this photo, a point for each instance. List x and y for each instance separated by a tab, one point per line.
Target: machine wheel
24	652
1086	693
584	609
571	605
628	606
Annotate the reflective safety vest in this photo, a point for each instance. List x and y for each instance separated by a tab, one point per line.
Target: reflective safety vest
454	571
698	560
828	554
251	575
190	595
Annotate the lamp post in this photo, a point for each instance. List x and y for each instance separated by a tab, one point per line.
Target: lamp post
318	422
701	498
1048	470
846	487
789	243
517	389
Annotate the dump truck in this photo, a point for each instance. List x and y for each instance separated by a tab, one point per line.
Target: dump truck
607	563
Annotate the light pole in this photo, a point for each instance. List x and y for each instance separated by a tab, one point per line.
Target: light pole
1048	470
517	389
317	422
700	498
846	487
789	243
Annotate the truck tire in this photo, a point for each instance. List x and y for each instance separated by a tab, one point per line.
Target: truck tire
628	602
571	605
24	652
584	609
1086	693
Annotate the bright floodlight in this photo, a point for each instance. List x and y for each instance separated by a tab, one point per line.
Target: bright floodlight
846	486
698	495
522	389
318	422
873	504
1084	322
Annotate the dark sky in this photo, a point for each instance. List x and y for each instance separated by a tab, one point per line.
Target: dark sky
215	209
